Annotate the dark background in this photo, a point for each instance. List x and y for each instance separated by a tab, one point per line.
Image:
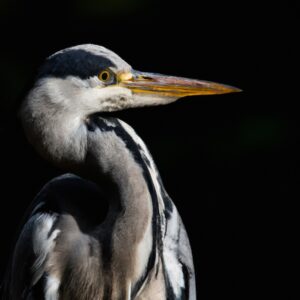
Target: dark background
230	163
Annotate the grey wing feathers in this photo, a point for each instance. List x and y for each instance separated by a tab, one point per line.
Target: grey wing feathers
25	275
178	260
186	259
29	257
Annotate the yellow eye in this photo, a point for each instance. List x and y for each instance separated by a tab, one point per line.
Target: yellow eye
104	76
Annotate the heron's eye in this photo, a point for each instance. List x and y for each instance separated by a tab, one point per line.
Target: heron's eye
104	76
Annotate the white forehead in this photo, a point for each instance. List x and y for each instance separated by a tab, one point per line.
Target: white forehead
100	51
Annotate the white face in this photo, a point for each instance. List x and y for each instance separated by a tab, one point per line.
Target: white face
86	96
93	85
84	79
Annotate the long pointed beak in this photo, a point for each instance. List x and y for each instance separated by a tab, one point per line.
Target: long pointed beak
171	86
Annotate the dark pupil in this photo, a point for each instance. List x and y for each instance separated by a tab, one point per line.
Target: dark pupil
104	76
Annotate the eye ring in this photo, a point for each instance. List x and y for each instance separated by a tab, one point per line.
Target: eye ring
104	76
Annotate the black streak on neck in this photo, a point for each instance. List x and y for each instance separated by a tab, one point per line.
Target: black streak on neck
97	122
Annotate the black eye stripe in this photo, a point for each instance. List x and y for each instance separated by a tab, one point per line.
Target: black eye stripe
75	62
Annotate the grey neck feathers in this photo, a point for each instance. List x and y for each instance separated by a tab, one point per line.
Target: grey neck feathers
91	147
52	126
108	152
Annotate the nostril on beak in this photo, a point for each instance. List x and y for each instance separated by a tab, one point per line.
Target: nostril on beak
146	77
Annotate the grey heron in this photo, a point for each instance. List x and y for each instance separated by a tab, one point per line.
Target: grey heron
66	248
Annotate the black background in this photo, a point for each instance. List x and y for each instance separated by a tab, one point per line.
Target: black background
230	163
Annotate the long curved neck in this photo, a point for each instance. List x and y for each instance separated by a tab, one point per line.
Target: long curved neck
97	148
107	152
116	158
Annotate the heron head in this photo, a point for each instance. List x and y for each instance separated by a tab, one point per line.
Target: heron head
90	78
77	82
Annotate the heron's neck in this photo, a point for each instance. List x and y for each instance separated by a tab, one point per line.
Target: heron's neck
115	159
109	153
116	153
